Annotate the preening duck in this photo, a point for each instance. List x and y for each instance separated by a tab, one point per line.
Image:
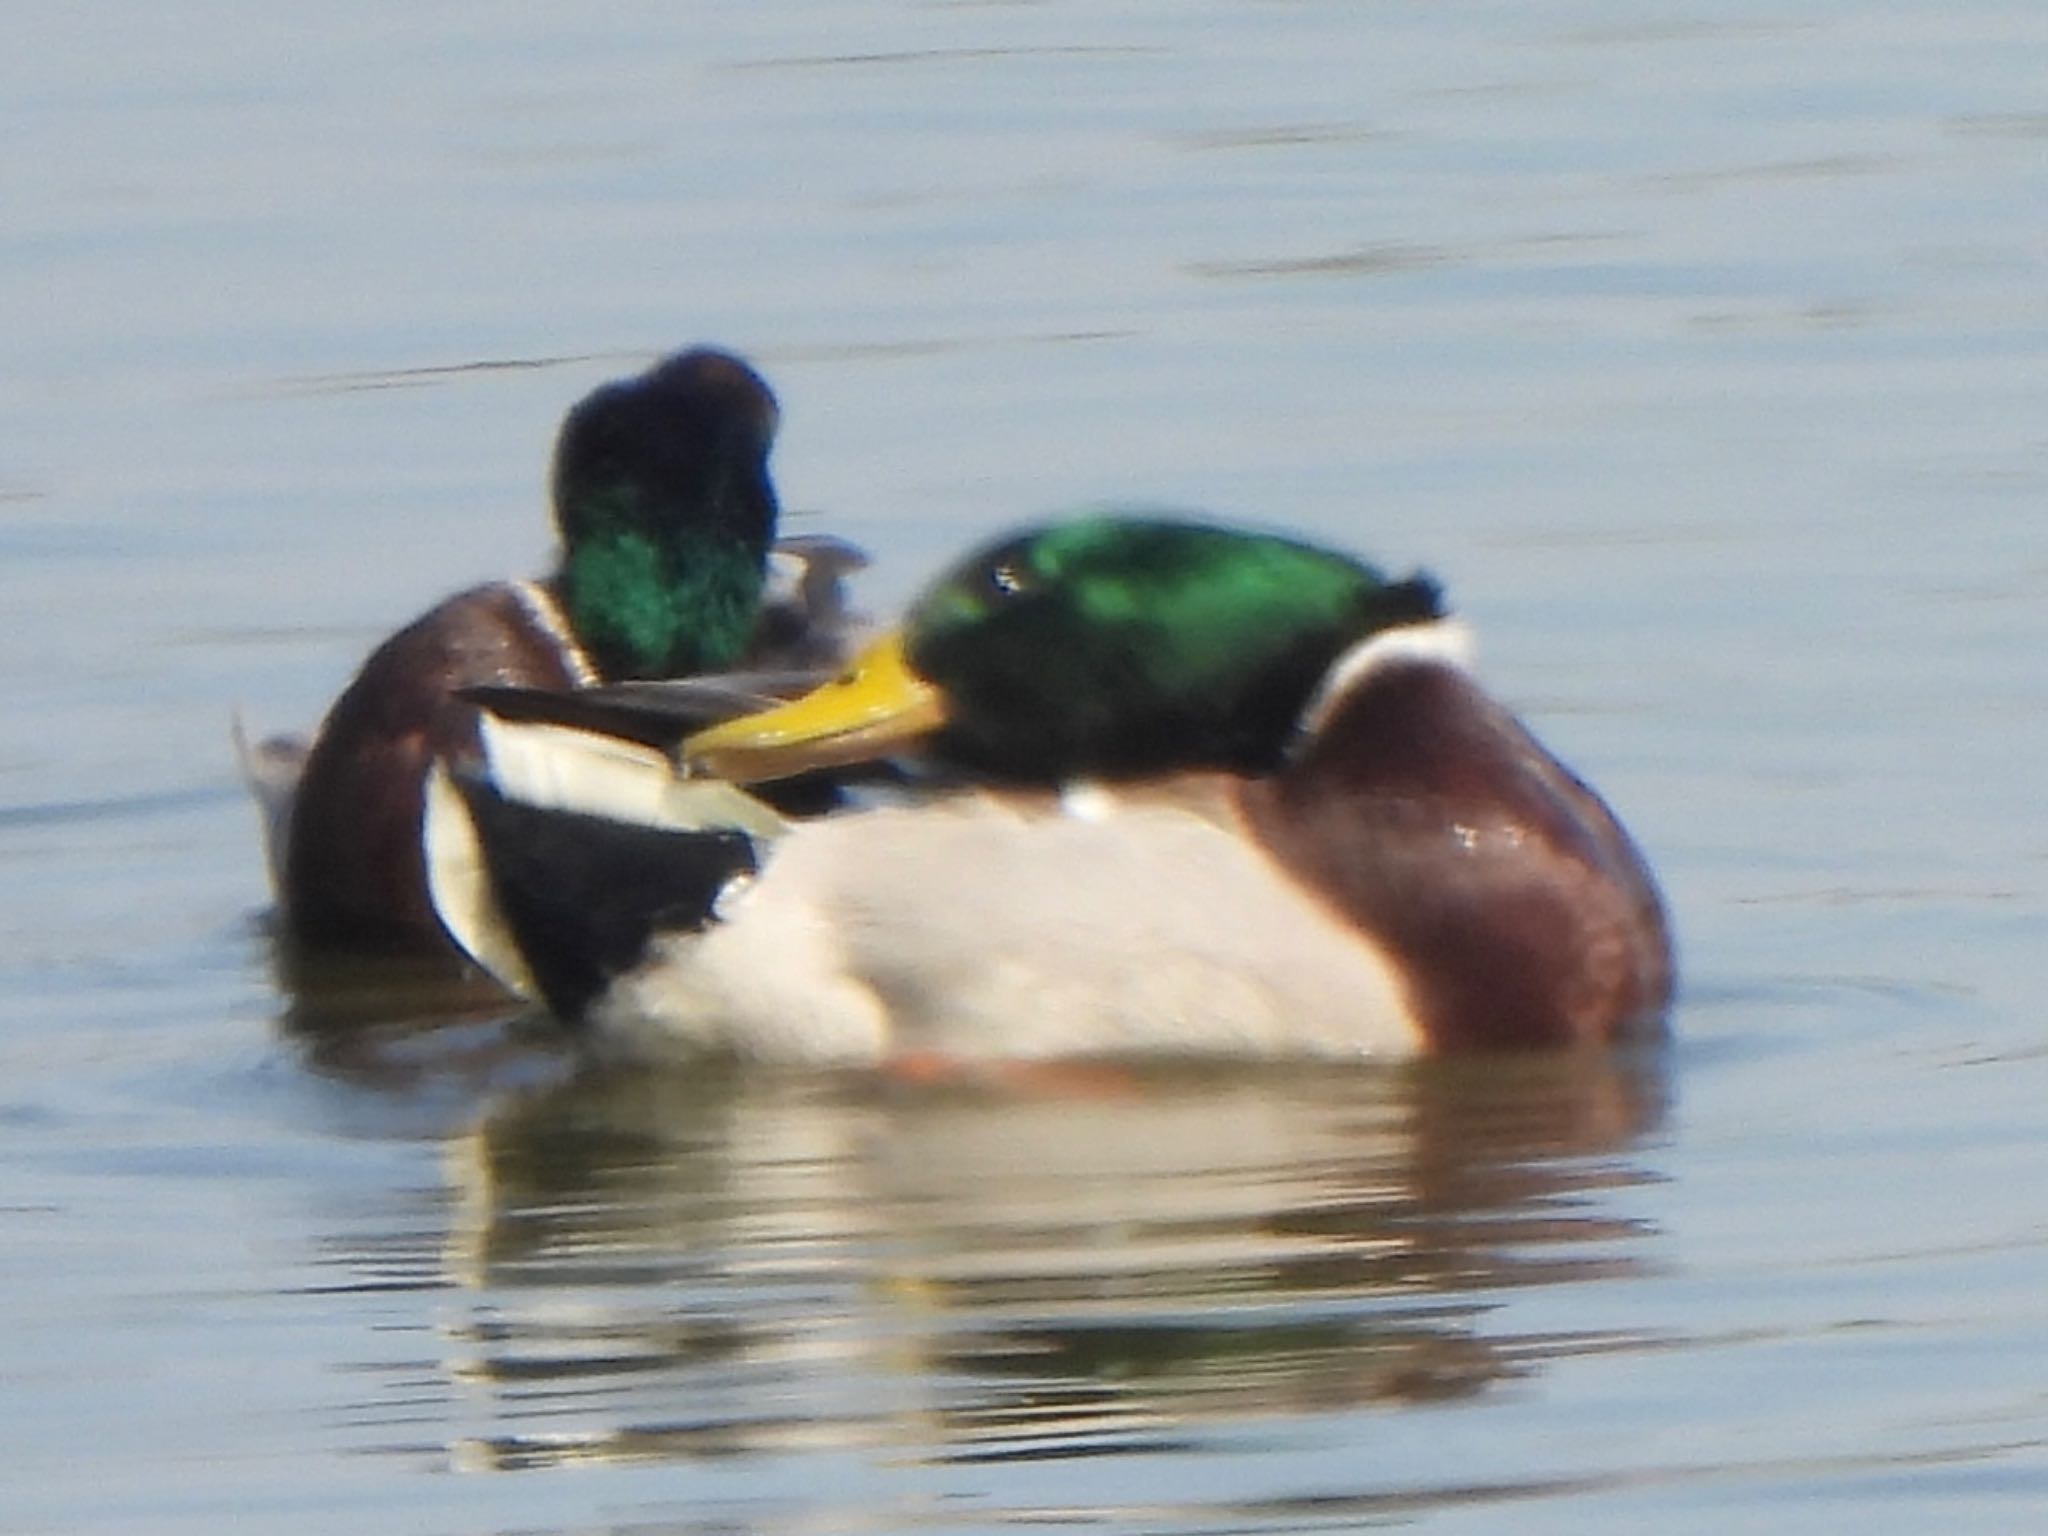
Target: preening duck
667	517
1201	791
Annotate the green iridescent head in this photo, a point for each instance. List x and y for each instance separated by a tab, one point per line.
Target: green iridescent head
1105	646
667	514
1121	645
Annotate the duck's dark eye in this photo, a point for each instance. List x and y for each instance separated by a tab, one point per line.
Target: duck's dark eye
1006	580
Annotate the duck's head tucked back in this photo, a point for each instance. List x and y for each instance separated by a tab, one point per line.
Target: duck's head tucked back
1121	646
666	511
1105	646
1327	709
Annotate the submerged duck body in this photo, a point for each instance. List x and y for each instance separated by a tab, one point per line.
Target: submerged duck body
667	516
1215	793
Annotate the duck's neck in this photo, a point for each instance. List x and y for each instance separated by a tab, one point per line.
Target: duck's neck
1446	641
662	608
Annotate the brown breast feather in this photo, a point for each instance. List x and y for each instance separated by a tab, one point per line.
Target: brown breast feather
1427	815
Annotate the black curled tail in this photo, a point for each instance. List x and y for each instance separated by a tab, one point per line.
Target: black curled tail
583	895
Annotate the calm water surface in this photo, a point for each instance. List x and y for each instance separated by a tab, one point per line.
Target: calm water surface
1702	350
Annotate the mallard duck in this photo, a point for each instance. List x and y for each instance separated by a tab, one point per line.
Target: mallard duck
667	516
1200	791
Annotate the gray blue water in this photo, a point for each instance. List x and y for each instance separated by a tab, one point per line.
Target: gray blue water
1700	348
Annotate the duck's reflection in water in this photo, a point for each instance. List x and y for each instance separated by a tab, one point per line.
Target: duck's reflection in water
433	1041
671	1266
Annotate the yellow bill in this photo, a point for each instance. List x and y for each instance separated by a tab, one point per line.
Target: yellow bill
877	705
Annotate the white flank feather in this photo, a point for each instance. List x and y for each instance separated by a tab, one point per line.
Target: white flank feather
562	768
460	886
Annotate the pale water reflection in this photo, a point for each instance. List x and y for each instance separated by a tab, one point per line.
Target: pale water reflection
661	1267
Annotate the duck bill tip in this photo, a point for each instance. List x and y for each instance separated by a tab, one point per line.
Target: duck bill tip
878	706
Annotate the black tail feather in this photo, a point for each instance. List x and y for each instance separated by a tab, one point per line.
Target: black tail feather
583	895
